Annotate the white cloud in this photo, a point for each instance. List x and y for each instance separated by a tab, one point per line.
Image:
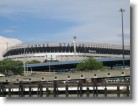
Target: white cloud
8	31
98	20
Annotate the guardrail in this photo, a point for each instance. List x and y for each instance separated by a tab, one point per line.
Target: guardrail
56	88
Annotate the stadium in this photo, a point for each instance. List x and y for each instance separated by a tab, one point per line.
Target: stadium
64	51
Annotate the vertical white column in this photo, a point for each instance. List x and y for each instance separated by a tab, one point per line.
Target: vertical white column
74	41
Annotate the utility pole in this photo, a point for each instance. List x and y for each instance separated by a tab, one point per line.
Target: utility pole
25	60
74	41
50	59
49	67
122	11
24	63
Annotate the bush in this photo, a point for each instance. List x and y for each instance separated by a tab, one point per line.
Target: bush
11	66
89	64
33	62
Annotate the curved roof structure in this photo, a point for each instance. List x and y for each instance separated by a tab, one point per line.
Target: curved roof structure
66	47
64	51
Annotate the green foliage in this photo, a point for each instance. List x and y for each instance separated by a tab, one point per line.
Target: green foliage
10	66
46	61
81	66
89	64
33	62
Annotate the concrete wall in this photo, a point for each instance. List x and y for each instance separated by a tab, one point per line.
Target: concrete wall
64	76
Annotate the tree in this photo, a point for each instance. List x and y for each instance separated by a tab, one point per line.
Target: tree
89	64
33	62
10	66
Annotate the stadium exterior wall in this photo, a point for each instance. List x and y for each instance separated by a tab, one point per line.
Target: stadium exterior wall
63	51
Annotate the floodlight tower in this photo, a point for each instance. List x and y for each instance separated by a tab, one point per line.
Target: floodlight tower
122	11
74	41
24	61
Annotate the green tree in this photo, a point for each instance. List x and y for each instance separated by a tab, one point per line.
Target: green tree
89	64
10	66
33	62
81	66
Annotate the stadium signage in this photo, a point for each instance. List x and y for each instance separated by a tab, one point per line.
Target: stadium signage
92	51
55	44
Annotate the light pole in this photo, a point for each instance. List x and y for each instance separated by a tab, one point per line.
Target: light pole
24	62
123	10
74	41
26	55
50	59
49	67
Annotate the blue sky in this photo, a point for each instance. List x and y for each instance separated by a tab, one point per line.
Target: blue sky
59	20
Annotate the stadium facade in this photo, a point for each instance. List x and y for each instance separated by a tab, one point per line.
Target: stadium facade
66	51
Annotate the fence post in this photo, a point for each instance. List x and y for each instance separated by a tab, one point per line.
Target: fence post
118	90
0	89
95	88
96	84
80	85
87	91
21	89
55	92
105	90
41	90
47	92
9	90
38	88
30	88
93	84
128	92
66	92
